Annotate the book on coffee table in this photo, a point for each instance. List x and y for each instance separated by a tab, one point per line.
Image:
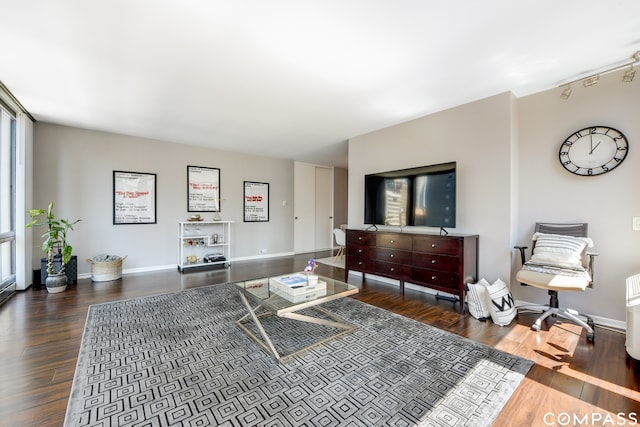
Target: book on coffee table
291	280
295	284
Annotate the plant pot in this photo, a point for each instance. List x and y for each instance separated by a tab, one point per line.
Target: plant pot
71	269
56	283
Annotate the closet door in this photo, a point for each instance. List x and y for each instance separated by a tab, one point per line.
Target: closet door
304	207
313	207
324	208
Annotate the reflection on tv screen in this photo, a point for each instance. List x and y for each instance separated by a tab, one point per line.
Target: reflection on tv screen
424	196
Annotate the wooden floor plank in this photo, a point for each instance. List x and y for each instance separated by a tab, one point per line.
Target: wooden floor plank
40	337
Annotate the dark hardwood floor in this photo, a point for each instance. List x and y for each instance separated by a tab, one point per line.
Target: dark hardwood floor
40	336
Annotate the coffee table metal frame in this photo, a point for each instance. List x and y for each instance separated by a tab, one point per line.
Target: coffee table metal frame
272	303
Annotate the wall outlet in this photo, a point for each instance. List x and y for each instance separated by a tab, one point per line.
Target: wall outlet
636	223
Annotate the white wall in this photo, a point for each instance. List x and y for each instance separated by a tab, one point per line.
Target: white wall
74	169
509	177
477	136
607	202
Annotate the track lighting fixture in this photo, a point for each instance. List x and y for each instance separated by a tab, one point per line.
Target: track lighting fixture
590	81
593	79
628	75
566	92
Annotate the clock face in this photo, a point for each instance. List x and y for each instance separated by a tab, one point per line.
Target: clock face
594	150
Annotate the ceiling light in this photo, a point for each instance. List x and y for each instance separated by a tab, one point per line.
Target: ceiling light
590	81
628	75
566	92
593	79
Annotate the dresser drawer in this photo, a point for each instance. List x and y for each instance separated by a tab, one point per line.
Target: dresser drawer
439	245
396	271
436	262
394	240
355	237
439	262
393	255
360	264
361	251
436	278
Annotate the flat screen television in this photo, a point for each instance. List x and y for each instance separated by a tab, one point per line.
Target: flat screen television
422	196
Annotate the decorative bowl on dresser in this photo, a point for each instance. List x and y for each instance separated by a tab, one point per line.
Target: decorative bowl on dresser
443	263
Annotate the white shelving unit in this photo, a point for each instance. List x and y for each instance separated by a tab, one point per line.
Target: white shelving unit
204	243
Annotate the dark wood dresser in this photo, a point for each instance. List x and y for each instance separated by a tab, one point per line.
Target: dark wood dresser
443	263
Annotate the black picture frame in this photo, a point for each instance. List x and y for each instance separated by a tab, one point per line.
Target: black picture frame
203	189
134	197
256	201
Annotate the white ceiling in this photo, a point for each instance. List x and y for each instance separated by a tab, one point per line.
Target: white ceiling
293	78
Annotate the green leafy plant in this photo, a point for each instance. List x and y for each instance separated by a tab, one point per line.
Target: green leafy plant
54	238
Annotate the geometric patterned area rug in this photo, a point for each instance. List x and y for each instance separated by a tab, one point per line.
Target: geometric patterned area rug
181	359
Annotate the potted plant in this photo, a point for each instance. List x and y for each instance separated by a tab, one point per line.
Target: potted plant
55	237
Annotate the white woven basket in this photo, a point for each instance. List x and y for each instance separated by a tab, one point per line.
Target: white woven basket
107	270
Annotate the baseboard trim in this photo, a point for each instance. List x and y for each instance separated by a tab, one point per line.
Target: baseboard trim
263	256
137	270
153	268
617	325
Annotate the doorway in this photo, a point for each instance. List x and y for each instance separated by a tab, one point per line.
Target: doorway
313	207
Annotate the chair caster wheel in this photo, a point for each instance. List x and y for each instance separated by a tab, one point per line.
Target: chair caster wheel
590	337
590	323
535	327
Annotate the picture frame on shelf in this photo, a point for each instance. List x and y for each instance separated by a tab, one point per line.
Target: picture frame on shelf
203	189
134	198
256	201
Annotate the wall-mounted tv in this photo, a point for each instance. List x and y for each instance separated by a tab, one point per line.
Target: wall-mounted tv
422	196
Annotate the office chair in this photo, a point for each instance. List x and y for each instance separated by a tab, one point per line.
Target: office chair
340	237
559	262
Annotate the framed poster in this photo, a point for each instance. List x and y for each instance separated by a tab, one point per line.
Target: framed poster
134	198
203	189
256	201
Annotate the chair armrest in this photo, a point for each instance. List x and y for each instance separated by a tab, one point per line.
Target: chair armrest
590	265
521	249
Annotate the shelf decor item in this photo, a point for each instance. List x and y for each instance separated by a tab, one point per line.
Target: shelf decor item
256	201
203	189
134	198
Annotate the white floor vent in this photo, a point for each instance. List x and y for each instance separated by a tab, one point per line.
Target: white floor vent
633	316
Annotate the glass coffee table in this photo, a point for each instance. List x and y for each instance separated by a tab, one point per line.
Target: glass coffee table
284	297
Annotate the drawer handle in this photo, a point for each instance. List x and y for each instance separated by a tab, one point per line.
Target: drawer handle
392	269
359	251
433	245
392	255
393	241
359	262
360	238
433	277
433	261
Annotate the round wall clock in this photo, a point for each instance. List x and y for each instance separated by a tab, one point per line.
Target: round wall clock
594	150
